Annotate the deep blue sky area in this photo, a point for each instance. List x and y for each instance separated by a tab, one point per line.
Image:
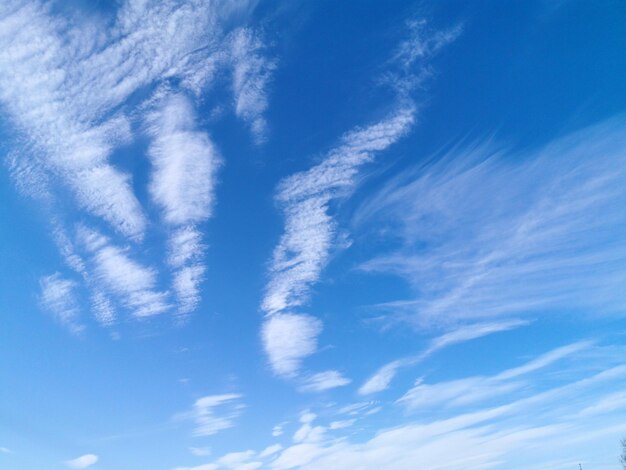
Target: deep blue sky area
364	234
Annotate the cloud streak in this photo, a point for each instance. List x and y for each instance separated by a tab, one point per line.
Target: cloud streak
305	199
76	89
544	415
84	461
213	413
251	75
382	378
58	297
551	241
184	163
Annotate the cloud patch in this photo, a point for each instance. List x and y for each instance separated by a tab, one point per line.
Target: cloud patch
84	461
213	413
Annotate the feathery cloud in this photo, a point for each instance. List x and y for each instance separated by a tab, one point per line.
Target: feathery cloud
251	74
476	389
309	229
214	413
184	163
551	241
57	296
134	284
84	461
545	414
288	338
324	381
305	199
382	378
76	88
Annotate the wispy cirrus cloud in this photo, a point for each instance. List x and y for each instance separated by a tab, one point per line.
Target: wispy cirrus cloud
207	466
252	72
382	378
305	199
134	284
213	413
545	414
84	461
289	338
551	241
184	163
476	389
200	451
58	297
77	89
322	381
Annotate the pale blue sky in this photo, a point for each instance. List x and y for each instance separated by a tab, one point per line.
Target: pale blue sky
312	234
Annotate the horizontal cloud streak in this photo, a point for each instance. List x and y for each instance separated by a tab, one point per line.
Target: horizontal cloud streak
382	378
132	283
544	415
551	240
324	381
213	413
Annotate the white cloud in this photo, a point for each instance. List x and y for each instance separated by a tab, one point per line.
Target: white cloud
187	287
288	338
278	430
251	74
307	417
306	198
184	163
185	246
57	296
309	230
214	413
65	85
270	450
103	309
83	461
477	389
185	255
42	83
469	332
382	378
303	249
421	45
540	427
5	450
324	381
133	283
307	432
234	461
200	451
239	461
555	224
206	466
355	409
608	404
341	424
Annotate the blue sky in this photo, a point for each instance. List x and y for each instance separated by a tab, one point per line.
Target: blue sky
241	235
